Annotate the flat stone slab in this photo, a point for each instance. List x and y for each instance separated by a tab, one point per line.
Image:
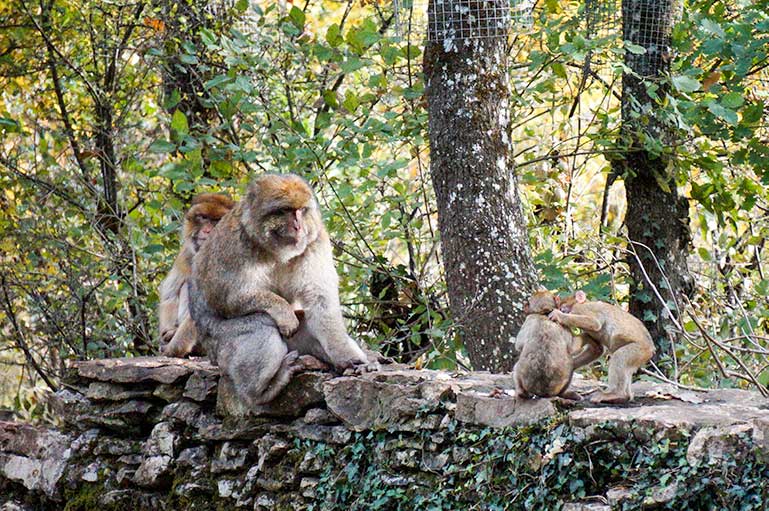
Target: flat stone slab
140	369
500	411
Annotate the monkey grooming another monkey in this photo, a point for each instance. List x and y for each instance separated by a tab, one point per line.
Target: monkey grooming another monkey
178	335
606	326
544	366
269	256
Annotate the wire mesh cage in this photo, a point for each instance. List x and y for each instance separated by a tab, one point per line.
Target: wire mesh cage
601	22
601	18
648	24
461	19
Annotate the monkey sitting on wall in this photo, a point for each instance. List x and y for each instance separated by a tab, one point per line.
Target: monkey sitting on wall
268	257
544	366
606	326
178	335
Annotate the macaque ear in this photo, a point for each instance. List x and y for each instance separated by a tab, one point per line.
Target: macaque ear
557	301
526	308
580	296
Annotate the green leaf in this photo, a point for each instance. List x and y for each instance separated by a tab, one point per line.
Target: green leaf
685	83
189	59
216	81
9	125
762	288
352	64
732	100
634	48
334	36
179	122
726	114
241	5
162	146
297	17
172	99
559	70
712	27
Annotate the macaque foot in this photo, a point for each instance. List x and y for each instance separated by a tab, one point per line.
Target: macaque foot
310	363
612	398
166	336
497	392
359	369
570	395
290	360
375	355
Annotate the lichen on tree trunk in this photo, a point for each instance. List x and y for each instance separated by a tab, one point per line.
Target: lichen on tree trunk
488	265
657	216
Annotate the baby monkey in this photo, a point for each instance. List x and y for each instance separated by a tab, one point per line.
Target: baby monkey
544	366
606	326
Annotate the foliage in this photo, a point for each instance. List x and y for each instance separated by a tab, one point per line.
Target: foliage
537	467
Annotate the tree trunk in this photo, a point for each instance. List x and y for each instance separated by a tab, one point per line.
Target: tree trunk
484	242
657	216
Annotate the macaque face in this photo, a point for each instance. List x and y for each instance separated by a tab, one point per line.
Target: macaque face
284	214
206	211
541	302
203	227
567	304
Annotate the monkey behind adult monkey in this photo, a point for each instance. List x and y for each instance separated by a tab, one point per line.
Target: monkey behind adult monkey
544	366
269	256
606	326
178	335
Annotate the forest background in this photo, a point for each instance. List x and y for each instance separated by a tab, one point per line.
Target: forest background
113	115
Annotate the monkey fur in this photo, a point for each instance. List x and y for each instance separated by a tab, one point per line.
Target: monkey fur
544	366
178	335
607	327
268	257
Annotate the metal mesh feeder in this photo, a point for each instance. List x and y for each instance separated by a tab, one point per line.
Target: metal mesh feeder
600	20
461	19
649	24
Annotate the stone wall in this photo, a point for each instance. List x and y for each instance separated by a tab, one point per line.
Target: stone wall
156	433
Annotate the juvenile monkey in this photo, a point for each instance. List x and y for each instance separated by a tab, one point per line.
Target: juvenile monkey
606	326
269	256
544	366
178	336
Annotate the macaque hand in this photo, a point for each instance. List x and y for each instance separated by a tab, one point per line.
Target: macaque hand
286	320
556	316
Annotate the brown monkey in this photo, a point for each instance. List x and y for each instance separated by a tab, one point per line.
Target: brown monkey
269	256
178	336
544	366
606	326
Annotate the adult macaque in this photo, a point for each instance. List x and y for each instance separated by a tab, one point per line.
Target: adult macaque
606	326
544	366
268	257
178	335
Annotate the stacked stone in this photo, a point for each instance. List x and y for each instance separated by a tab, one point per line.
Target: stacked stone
161	433
139	431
